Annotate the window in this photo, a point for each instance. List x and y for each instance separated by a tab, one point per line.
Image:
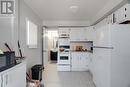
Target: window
31	34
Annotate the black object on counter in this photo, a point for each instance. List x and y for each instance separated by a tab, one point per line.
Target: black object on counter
54	55
37	72
7	60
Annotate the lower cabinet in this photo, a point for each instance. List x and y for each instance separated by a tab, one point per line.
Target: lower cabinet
80	61
14	77
0	80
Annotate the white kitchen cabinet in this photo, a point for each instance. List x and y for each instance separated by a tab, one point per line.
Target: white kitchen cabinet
75	61
80	61
0	80
78	34
123	14
14	77
90	33
91	63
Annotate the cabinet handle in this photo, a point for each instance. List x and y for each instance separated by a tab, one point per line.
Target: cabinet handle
80	58
125	9
125	15
1	81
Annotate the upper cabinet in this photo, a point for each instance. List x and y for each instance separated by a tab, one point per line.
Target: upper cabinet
89	33
122	15
78	34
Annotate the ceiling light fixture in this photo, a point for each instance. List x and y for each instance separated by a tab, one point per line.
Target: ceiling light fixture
74	8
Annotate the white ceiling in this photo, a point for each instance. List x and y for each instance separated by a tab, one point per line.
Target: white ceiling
59	10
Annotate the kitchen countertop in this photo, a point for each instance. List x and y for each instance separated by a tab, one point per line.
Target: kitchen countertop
13	67
89	51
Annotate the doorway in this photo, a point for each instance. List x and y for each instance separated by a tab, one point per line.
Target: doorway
50	46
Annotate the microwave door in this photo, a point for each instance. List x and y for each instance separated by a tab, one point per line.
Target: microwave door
3	62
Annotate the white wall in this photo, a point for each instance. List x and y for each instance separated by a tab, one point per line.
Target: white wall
9	30
34	56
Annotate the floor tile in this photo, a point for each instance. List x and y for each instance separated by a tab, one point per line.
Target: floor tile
53	78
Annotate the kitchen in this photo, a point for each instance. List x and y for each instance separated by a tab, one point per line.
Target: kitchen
78	43
98	49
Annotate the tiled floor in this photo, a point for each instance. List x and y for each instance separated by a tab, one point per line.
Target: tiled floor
52	78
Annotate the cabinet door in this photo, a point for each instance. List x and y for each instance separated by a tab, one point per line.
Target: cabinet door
75	62
8	79
15	77
122	14
78	34
19	73
0	80
84	61
127	11
80	61
74	34
119	15
82	34
91	59
89	33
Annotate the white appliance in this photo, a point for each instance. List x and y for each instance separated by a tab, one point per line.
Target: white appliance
64	41
111	61
63	63
64	58
64	32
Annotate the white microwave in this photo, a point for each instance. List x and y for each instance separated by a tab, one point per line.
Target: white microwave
64	35
63	42
64	32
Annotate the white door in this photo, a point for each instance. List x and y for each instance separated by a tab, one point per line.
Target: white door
89	33
91	59
120	55
102	57
102	67
0	80
45	47
74	34
78	34
75	62
83	61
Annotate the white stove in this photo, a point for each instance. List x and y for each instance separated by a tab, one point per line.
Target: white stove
64	61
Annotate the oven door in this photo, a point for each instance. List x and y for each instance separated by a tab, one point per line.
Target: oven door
64	59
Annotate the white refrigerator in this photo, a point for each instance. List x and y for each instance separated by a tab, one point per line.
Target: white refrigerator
111	56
